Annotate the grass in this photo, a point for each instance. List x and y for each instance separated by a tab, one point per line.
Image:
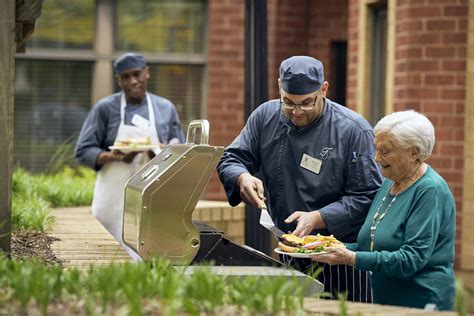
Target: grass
34	195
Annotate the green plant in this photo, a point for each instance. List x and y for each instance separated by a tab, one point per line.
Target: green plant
342	297
62	156
203	291
138	288
35	194
31	212
104	284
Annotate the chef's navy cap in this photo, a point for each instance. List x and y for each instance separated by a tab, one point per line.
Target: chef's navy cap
301	75
128	61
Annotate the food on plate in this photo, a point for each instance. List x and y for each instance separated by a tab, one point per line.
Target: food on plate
308	243
292	240
133	142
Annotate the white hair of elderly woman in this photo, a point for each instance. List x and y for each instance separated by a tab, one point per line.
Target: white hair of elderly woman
409	129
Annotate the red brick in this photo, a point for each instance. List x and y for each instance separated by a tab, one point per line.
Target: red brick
424	39
450	65
432	2
419	65
441	25
457	38
453	94
462	24
451	121
459	134
458	10
458	164
453	177
410	26
440	52
439	79
438	107
459	108
409	52
461	52
440	163
424	11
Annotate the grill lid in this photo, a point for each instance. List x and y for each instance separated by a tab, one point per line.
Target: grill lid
161	197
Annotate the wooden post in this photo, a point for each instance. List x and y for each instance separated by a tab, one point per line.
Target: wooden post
7	75
17	23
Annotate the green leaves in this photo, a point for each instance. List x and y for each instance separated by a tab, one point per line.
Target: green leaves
138	288
35	195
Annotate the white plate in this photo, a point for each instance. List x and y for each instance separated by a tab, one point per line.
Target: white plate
297	254
128	149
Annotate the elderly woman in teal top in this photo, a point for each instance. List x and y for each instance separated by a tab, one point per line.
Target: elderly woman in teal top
407	240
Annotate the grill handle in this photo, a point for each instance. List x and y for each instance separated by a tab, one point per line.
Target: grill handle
194	126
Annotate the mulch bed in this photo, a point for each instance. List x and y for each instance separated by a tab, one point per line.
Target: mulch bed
34	245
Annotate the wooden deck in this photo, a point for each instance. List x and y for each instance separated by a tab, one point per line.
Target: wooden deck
83	240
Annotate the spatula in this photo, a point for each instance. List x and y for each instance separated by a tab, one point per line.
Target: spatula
267	222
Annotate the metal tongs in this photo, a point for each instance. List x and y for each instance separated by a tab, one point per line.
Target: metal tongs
267	222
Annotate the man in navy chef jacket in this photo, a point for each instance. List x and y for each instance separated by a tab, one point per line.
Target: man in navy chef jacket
316	159
133	113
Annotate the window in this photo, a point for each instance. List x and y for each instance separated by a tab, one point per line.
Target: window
64	24
338	69
66	67
174	26
378	62
52	100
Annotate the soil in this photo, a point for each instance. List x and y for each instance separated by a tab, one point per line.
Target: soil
34	245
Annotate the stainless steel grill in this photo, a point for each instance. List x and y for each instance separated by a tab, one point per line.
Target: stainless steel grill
160	200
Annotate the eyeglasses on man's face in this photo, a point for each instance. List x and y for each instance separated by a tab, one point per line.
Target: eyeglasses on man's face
305	106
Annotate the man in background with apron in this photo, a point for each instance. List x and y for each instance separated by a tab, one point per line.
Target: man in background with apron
132	113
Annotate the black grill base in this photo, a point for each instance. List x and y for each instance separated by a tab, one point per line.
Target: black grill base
216	248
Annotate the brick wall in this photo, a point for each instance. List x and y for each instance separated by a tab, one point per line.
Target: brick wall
222	217
294	27
303	27
430	72
352	54
225	75
327	24
287	28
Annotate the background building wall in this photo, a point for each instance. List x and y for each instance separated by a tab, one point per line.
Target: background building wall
429	76
288	27
225	78
327	25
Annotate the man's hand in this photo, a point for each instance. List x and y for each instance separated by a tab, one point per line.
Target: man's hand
109	156
251	190
307	222
128	158
336	255
115	155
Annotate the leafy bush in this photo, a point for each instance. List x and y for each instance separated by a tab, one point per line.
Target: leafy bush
35	194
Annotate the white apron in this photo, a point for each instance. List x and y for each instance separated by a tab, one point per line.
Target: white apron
109	191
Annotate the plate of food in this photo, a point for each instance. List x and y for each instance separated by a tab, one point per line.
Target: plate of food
303	247
134	144
303	255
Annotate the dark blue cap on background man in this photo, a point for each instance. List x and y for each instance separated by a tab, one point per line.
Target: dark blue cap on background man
301	75
129	61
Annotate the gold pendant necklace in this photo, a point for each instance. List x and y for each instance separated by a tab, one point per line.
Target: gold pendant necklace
376	219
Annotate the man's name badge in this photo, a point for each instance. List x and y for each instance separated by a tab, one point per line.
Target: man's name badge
310	163
140	121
